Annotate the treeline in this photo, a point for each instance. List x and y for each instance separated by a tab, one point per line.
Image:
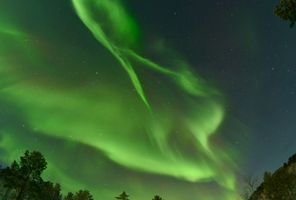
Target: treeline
279	185
22	181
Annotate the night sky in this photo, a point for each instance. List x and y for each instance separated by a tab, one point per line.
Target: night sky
181	98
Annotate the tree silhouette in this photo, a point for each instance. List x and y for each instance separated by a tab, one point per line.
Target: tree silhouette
10	177
156	197
70	196
280	185
22	181
286	10
83	195
292	160
80	195
48	191
123	196
32	165
250	186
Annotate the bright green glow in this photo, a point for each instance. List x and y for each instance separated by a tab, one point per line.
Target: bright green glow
164	134
109	21
206	122
70	117
119	25
191	83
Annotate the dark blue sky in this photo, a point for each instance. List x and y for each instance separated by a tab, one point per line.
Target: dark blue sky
250	55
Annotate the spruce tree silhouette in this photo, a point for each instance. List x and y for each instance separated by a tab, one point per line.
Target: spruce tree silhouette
123	196
156	197
80	195
83	195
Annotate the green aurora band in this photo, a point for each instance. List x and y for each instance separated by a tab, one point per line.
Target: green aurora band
159	120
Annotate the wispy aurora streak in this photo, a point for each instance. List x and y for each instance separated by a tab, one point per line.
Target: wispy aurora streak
139	131
121	27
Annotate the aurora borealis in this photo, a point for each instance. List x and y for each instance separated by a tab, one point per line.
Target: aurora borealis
100	89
